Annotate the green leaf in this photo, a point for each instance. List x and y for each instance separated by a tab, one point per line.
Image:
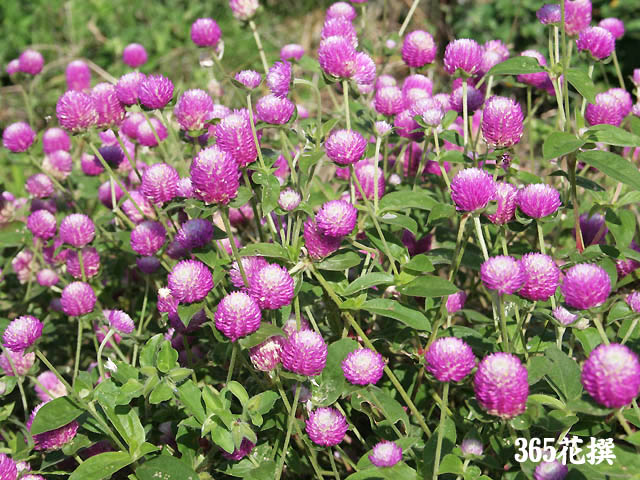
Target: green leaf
340	261
389	410
101	466
239	392
403	221
386	307
148	352
222	437
122	417
186	312
429	287
612	135
367	281
559	144
330	384
272	250
263	402
55	414
191	397
270	191
613	165
622	224
450	464
167	357
582	83
564	373
516	66
419	263
165	467
407	199
10	237
161	393
448	442
588	338
265	331
242	198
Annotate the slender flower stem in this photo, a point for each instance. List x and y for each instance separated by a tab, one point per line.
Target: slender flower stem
489	87
614	56
345	91
253	131
81	261
529	129
465	113
565	59
314	87
105	340
407	19
76	365
292	416
541	238
141	321
630	331
224	213
600	329
129	159
503	322
376	175
232	362
624	423
256	37
440	164
483	245
336	475
443	419
571	164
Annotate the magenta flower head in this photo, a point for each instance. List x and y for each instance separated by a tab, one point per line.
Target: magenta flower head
538	200
472	189
339	27
267	355
624	97
501	385
291	51
155	91
214	176
21	333
47	277
416	81
54	386
341	9
195	233
318	244
78	75
78	298
18	137
145	133
13	67
8	469
564	316
134	55
148	237
131	121
598	41
418	49
55	139
128	88
76	111
337	218
205	32
506	194
611	375
542	277
326	426
289	199
363	367
190	281
463	54
586	286
493	53
30	61
53	439
234	136
449	359
537	79
77	229
237	315
456	302
249	78
385	454
577	16
607	110
549	14
337	56
407	127
42	224
274	109
366	174
120	321
160	182
279	78
614	26
251	265
58	164
90	263
503	274
243	10
272	287
22	362
633	300
105	100
365	73
475	99
345	146
502	122
193	109
305	353
389	101
553	470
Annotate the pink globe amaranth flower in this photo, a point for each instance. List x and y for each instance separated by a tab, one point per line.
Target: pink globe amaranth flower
42	224
389	101
598	41
607	110
502	122
53	439
190	281
611	375
13	67
184	188
633	300
205	32
417	81
104	193
289	199
272	287
8	469
577	16
78	75
418	49
553	470
366	174
110	109
291	51
18	137
363	367
407	127
613	25
148	237
237	315
385	81
134	55
385	454
78	298
145	133
475	99
214	176
382	128
506	195
471	446
537	79
130	124
274	109
251	266
586	286
339	27
76	111
155	91
166	301
54	386
267	355
493	53
160	182
501	385
58	164
21	333
463	54
564	316
243	9
77	229
416	246
47	277
503	274
449	359
291	325
195	233
119	320
626	266
30	61
24	265
304	353
318	244
249	78
193	109
550	13
22	362
246	446
326	426
626	102
337	218
337	56
590	228
472	189
345	146
341	9
538	200
234	136
430	110
365	70
128	88
55	139
279	78
542	277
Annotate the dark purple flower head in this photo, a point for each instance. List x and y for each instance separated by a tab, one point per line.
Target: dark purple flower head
249	78
31	62
317	243
475	99
78	298
341	9
76	111
502	122
234	136
586	286
243	9
78	75
542	277
291	51
190	281
160	182
148	265
463	54
214	176
77	229
538	200
503	274
134	55
337	218
549	14
345	146
598	41
534	79
577	16
553	470
193	109
237	315
326	426
611	375
155	91
128	88
615	26
195	233
279	78
274	109
90	263
607	110
21	333
339	27
119	320
148	237
449	359
506	196
305	353
42	224
337	57
363	367
18	137
205	32
385	454
590	227
418	49
472	189
501	385
389	101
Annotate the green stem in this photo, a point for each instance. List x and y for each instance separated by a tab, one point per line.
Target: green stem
376	175
76	365
256	37
345	90
443	418
503	323
465	113
141	321
437	146
571	164
314	87
624	423
529	129
102	345
600	329
19	381
253	131
616	65
232	363
336	475
541	237
483	245
292	416
224	213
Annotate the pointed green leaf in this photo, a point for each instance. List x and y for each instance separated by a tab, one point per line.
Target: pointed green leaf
516	66
613	165
386	307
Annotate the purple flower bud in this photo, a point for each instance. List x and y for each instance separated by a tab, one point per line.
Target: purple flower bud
337	218
214	176
52	439
13	67
598	41
18	137
502	122
493	53
279	78
471	446
318	244
590	227
385	454
78	298
449	359
128	90
155	91
636	77
76	111
418	49
456	302
553	470
607	110
289	199
611	375
42	224
243	10
291	51
148	265
341	9
614	26
564	316
586	286
503	274
145	133
272	287
195	233
249	78
633	300
274	109
47	277
542	277
549	14
538	200
134	55
246	446
363	367
53	385
234	136
77	229
205	32
119	320
326	426
366	174
22	362
472	189
506	196
190	281
305	353
389	101
237	315
345	146
193	109
463	54
160	182
501	385
577	16
148	237
30	61
78	76
475	99
55	139
337	56
21	333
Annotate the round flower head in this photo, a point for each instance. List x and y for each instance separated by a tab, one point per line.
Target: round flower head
385	454
564	316
291	325
289	199
195	233
463	54
590	227
53	439
134	55
237	315
128	89
337	218
22	362
607	110
279	78
18	137
146	135
30	61
77	229
366	175
214	176
243	9
542	277
76	111
363	367
472	189
549	14
78	298
267	355
55	139
345	146
22	332
249	78
132	212
78	75
537	79
246	446
626	102
382	128
304	353
120	321
148	237
54	386
13	67
234	136
166	301
365	73
205	32
586	286
456	302
90	263
633	300
318	244
449	359
190	281
416	82
502	122
553	470
337	56
131	122
506	194
58	164
614	26
326	426
251	266
148	265
274	109
291	51
155	91
389	101
598	41
272	287
501	385
193	109
503	274
8	469
47	277
475	99
42	224
418	49
407	127
160	182
538	200
471	446
493	53
611	375
111	154
339	27
105	100
577	16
